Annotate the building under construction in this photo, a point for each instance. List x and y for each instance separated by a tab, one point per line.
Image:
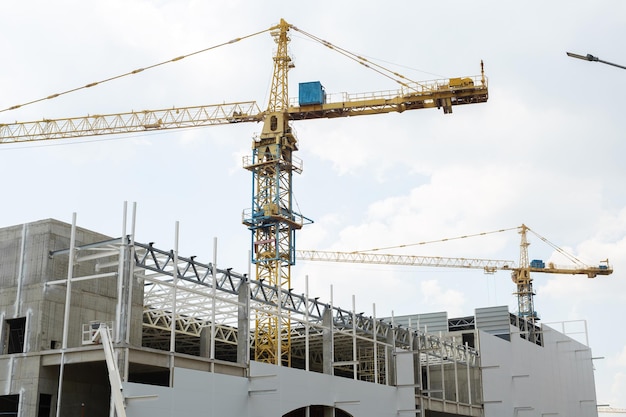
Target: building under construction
94	325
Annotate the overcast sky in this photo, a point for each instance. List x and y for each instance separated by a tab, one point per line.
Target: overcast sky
546	150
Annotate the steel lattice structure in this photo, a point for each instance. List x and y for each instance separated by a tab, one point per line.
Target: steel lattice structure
198	283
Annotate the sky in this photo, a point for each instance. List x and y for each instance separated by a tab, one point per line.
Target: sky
544	151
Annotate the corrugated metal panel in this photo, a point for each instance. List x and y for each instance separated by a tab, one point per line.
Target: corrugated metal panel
493	320
432	322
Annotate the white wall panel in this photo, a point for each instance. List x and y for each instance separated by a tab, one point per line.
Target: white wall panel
522	378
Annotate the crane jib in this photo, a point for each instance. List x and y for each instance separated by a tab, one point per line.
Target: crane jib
434	94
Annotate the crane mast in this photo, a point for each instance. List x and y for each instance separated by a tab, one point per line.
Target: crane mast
272	220
521	277
279	97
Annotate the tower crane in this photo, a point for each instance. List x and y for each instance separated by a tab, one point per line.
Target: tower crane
271	217
520	274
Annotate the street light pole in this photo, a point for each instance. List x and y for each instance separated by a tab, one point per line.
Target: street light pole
590	57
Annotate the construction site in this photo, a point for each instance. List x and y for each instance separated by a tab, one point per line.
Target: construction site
96	325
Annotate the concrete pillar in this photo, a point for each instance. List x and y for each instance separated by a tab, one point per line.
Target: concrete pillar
125	294
327	341
243	324
124	308
205	342
390	356
415	347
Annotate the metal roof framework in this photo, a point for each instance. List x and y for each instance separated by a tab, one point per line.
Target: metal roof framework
200	293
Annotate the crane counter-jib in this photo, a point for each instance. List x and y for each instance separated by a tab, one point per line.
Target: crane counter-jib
590	271
432	94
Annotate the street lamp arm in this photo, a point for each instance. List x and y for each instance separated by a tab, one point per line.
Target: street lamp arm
590	57
587	57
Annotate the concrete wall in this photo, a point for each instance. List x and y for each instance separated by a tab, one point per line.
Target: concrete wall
523	379
25	268
270	391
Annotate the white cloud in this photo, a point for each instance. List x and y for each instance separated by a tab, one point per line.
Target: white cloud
618	387
433	295
621	358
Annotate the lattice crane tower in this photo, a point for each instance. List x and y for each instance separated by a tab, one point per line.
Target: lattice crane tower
272	221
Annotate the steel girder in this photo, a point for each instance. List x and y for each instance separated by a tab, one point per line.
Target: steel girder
195	286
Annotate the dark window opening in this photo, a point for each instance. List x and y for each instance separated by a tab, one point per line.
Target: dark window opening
469	339
505	336
317	411
151	375
16	330
45	402
9	405
431	413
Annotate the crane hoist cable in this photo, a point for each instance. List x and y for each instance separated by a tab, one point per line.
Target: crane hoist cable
399	78
133	72
385	72
558	249
435	241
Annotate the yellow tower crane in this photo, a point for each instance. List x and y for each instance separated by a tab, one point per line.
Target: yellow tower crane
271	217
520	274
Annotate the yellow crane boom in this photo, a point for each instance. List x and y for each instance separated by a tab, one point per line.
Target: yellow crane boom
429	94
487	265
130	122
